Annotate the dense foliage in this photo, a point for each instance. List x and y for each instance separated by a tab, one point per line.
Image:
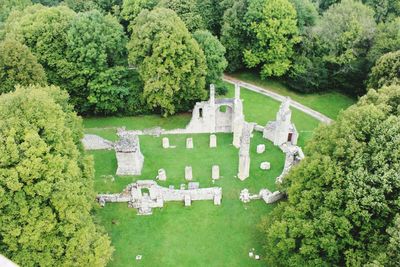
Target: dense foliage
214	52
18	66
386	71
46	183
273	32
343	199
169	61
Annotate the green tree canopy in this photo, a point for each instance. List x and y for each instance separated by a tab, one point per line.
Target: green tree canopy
214	52
307	13
95	43
386	39
188	11
272	26
344	197
132	8
169	61
18	66
46	183
386	71
346	31
233	34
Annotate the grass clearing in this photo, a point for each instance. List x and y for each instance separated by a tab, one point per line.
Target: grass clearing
327	103
203	234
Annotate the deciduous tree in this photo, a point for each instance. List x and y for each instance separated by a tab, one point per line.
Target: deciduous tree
272	26
343	198
46	183
18	66
214	52
168	59
386	71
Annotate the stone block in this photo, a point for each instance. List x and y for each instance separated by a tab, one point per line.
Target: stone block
183	187
189	143
188	173
165	142
188	201
260	148
162	175
265	165
193	185
215	172
213	141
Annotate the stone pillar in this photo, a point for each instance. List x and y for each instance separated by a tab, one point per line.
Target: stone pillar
165	142
217	196
237	91
265	165
188	173
162	175
189	143
213	141
260	148
244	151
215	172
212	93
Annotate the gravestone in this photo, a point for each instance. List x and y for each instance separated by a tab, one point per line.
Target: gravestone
215	172
260	148
165	142
188	173
213	141
189	143
162	175
265	165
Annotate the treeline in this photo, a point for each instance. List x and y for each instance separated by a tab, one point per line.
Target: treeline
112	60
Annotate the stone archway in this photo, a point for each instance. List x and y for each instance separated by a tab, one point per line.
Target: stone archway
223	118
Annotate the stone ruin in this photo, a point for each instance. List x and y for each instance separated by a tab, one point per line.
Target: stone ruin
130	159
155	196
264	194
244	151
95	142
218	116
282	130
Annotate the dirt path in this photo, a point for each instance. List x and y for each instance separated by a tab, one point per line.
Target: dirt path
266	92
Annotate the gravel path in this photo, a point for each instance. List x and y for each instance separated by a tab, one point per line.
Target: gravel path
264	91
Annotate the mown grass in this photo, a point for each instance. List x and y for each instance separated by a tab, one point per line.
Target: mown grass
203	234
328	103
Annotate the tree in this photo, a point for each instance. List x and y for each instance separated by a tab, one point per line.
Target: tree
44	31
188	11
169	61
272	26
95	43
306	12
18	66
346	31
132	8
46	183
386	39
386	71
233	34
385	10
343	197
211	12
214	52
9	5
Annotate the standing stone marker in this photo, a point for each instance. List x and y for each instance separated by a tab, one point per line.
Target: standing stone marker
162	175
189	143
213	141
188	201
215	172
165	142
188	173
260	148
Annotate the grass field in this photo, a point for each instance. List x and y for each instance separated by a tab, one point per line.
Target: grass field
327	103
203	234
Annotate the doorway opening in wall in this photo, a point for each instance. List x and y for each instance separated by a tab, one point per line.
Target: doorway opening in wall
145	191
200	113
222	109
289	137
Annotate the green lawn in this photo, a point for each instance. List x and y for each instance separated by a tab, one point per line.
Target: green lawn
203	234
328	103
